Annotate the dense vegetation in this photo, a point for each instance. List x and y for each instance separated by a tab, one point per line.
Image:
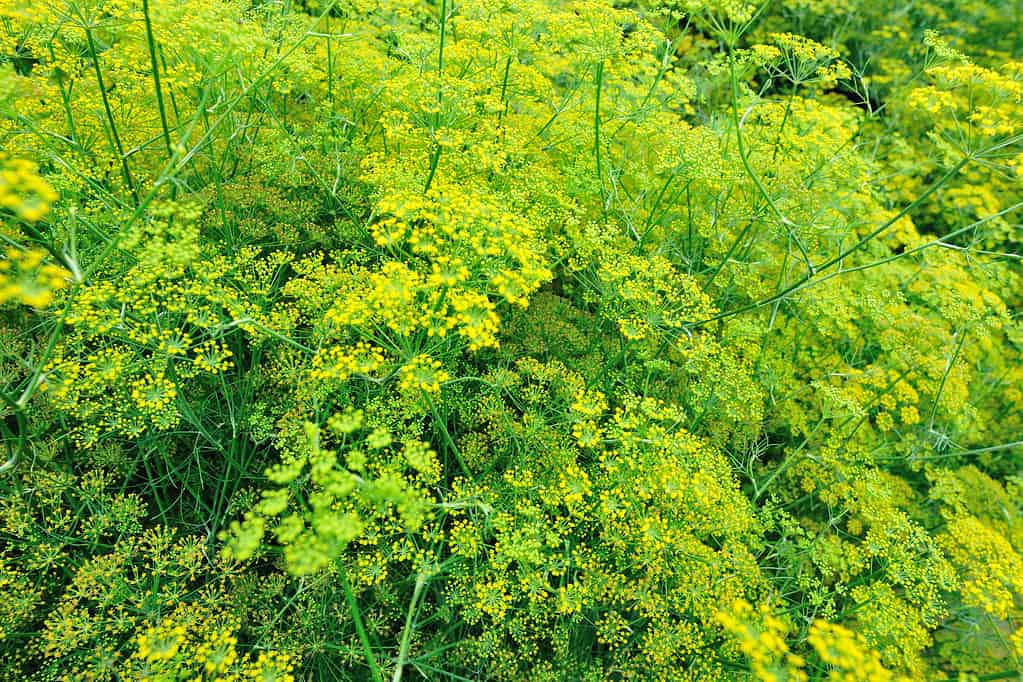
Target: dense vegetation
511	340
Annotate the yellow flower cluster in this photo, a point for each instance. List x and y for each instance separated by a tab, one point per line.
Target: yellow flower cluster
22	191
338	364
991	568
26	278
648	296
847	654
761	638
197	643
16	611
801	60
466	248
650	495
422	373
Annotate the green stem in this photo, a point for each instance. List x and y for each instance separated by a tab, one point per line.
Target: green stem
435	154
944	379
794	457
156	77
360	628
596	138
964	453
330	78
406	633
443	33
728	255
434	161
648	223
504	89
173	165
448	440
115	137
809	277
65	98
784	120
744	157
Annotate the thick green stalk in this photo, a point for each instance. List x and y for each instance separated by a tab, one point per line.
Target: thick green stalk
360	628
115	136
596	137
151	41
406	633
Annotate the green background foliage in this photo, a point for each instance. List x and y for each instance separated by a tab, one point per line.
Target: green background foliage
534	340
